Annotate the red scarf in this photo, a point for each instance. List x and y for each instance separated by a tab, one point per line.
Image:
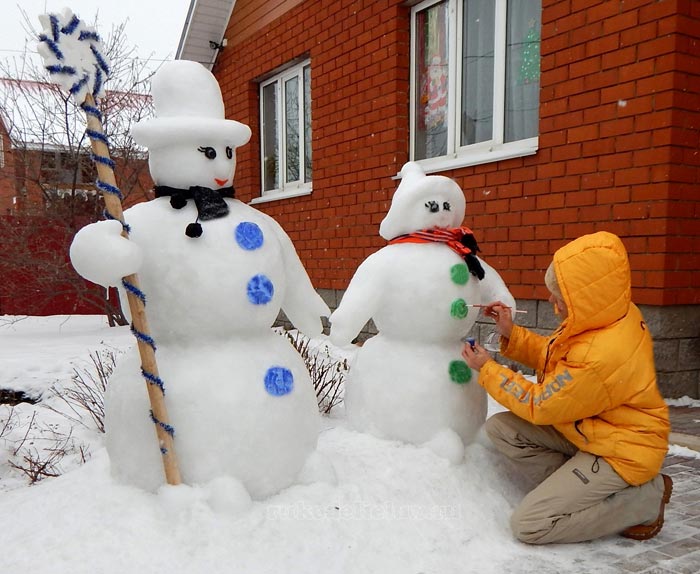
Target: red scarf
452	237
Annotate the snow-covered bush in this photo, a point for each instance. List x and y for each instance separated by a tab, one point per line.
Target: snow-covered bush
326	371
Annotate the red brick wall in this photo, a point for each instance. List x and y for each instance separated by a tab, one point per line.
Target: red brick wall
359	74
22	172
37	276
7	174
619	137
681	278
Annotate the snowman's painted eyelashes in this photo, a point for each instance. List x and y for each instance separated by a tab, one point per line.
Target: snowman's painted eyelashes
209	152
434	206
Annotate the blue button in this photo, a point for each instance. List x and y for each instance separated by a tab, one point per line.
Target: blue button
279	381
260	290
249	236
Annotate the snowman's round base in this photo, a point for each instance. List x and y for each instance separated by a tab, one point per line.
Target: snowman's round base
229	417
403	390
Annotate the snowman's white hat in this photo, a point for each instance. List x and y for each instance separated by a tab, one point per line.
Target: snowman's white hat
188	104
407	214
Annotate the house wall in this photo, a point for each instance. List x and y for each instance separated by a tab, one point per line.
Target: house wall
359	77
22	178
620	129
7	174
35	236
618	145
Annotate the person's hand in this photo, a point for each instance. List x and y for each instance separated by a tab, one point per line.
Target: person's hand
503	315
476	357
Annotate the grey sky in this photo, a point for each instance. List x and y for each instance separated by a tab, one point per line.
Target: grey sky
154	26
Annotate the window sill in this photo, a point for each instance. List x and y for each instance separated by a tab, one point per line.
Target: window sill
477	157
276	195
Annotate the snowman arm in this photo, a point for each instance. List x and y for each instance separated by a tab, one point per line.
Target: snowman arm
302	304
100	253
493	288
360	301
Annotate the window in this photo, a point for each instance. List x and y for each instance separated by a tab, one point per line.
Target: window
475	69
285	138
64	168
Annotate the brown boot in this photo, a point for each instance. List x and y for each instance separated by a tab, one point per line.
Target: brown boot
647	531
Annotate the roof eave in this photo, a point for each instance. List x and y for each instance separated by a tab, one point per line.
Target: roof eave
202	35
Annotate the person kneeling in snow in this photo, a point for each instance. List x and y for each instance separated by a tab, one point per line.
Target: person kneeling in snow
593	431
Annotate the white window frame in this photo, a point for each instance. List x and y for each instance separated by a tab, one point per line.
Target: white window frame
284	189
482	152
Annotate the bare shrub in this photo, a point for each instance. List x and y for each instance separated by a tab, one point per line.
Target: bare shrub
327	373
38	463
8	421
37	468
38	449
86	395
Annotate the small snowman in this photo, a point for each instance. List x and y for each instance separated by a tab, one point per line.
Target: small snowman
216	273
409	382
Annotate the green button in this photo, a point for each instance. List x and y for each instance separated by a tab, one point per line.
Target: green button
460	372
459	309
459	274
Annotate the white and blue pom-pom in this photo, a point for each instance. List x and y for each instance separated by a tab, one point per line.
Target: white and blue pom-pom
73	54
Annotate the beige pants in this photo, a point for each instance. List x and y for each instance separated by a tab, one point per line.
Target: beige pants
579	497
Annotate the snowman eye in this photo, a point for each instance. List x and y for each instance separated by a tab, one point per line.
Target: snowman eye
229	151
209	152
446	206
433	206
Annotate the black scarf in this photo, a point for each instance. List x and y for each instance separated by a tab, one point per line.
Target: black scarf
209	202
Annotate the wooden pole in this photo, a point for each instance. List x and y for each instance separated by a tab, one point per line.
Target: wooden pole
138	311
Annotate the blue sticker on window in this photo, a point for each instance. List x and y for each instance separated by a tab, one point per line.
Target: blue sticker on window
249	236
279	381
260	290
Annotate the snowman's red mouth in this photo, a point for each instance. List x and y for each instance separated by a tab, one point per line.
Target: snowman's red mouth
220	181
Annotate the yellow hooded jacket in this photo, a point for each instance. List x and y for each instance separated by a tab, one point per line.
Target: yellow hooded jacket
596	375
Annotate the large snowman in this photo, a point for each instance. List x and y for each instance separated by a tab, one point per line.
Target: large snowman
215	273
409	382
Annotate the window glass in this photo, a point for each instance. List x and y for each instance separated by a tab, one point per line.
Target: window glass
307	123
88	172
270	143
291	129
522	70
431	73
477	71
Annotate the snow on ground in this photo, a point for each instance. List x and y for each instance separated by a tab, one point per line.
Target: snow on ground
37	351
683	402
395	508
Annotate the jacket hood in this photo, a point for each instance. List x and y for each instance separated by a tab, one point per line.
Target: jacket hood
593	273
